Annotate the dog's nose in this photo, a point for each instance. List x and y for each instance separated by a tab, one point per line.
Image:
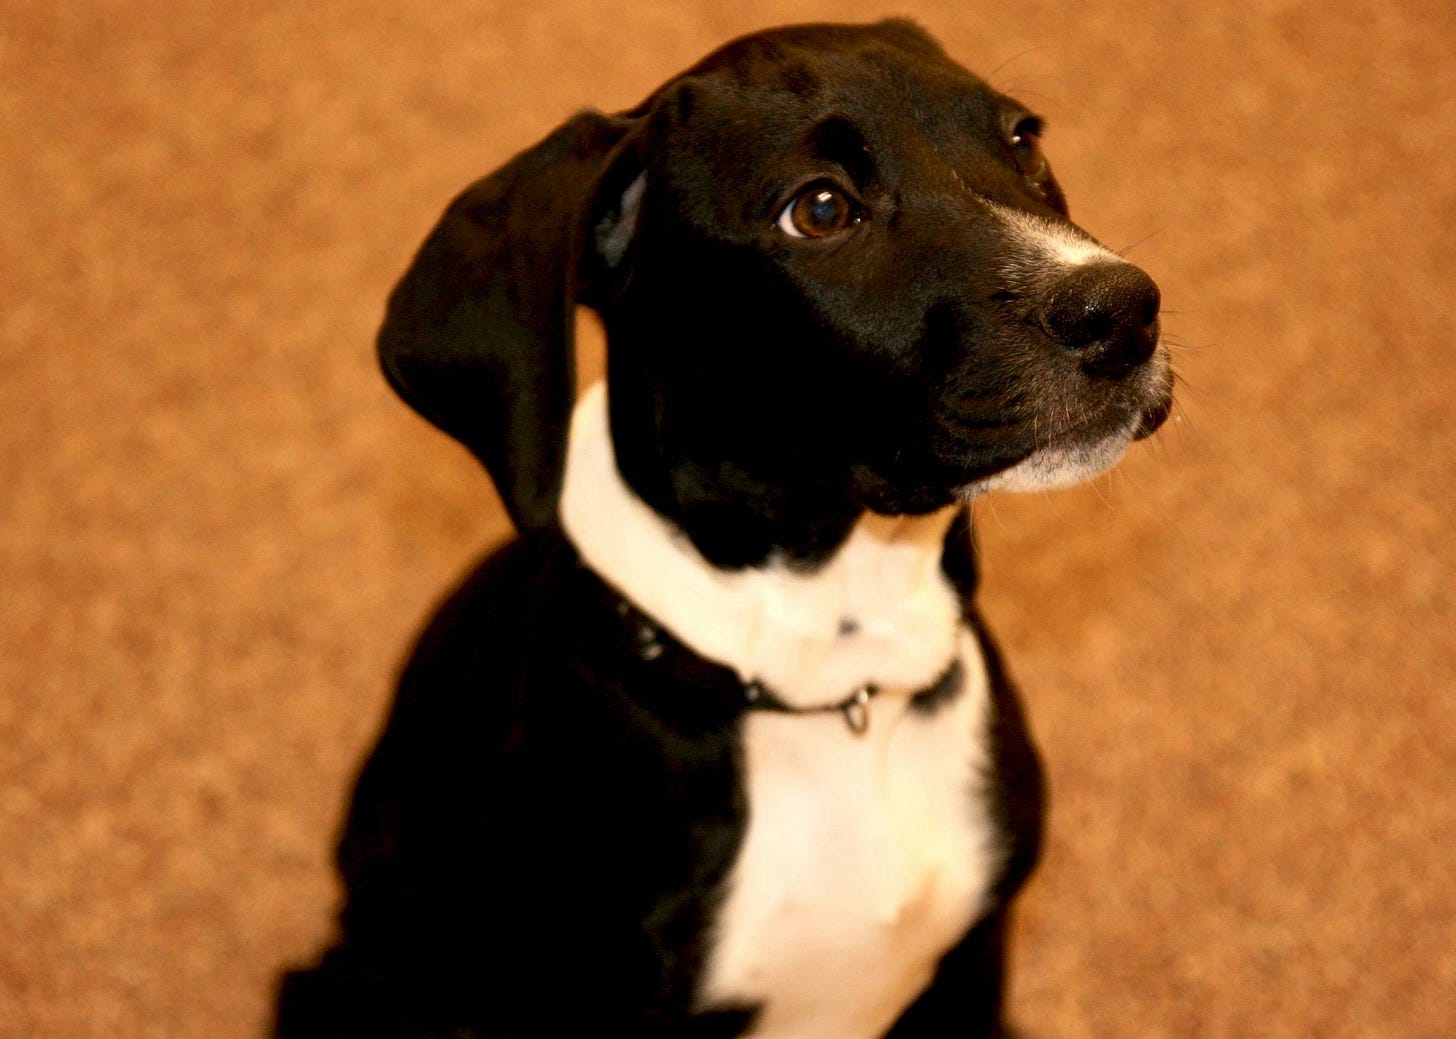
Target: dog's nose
1108	314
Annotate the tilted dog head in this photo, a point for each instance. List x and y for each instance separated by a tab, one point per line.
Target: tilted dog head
836	274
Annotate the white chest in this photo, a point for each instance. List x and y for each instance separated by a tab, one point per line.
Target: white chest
865	859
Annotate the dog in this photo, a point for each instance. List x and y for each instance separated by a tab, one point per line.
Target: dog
720	745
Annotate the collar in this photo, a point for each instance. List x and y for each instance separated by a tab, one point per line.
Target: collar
653	644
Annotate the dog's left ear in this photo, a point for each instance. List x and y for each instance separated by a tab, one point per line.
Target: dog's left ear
478	335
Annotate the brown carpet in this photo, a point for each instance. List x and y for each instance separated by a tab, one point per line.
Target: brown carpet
218	529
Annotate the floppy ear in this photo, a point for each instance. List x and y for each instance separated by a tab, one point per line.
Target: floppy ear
478	335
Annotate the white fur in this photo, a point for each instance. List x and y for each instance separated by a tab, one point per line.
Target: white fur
867	856
1053	242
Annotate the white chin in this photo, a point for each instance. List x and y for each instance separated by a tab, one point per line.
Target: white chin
1056	467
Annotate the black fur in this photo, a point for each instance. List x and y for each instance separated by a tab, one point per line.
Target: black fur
538	844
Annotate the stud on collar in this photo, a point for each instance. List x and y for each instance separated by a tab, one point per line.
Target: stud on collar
854	707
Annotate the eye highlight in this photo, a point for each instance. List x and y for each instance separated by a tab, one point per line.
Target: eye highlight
818	212
1025	142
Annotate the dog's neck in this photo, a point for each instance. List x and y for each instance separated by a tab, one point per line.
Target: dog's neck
880	609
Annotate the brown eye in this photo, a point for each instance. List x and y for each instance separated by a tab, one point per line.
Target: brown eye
817	213
1026	148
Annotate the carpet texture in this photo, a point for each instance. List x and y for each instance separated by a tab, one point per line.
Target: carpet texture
219	530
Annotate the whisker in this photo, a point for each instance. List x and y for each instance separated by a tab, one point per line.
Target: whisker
1022	85
990	501
1145	238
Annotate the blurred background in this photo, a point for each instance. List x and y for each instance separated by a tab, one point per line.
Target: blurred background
219	530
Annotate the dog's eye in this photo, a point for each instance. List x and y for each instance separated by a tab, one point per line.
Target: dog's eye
817	213
1026	148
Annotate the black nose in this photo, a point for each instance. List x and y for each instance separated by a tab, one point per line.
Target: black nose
1108	314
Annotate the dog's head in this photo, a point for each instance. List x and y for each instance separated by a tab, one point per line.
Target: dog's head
836	274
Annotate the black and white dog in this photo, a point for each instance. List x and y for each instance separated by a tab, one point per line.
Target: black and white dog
720	746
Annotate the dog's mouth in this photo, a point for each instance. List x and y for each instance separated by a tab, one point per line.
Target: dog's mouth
1072	452
1153	416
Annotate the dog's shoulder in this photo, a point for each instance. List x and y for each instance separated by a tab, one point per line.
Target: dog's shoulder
513	589
544	776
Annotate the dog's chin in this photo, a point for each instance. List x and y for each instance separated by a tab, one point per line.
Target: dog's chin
1056	466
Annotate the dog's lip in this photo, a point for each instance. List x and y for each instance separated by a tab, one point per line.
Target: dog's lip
1125	421
1103	432
1153	417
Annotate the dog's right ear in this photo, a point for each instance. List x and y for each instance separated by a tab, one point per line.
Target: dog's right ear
478	336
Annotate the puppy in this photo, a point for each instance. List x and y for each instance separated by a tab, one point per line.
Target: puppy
720	746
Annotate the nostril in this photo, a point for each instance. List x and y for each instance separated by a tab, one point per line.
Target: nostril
1151	308
1097	324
